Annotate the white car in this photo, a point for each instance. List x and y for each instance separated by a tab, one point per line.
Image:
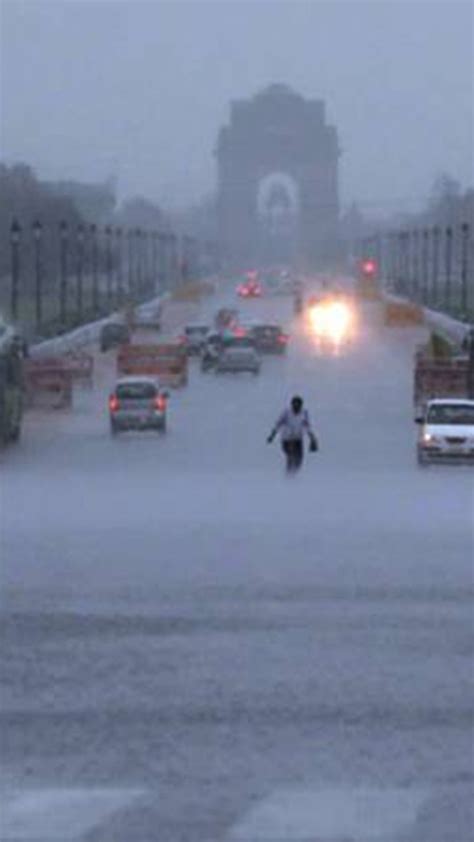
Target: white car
446	431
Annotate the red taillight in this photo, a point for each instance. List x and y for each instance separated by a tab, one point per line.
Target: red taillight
368	267
160	403
113	403
240	332
282	339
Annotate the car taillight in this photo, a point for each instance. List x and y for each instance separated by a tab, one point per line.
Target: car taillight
160	403
282	339
113	403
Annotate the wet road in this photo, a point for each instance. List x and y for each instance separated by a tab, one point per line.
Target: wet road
197	648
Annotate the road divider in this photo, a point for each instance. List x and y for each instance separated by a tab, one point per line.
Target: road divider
400	313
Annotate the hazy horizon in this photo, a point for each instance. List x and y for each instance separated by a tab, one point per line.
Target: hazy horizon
139	90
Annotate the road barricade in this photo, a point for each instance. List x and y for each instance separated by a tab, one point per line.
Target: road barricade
81	366
402	314
167	361
48	383
193	291
439	378
368	289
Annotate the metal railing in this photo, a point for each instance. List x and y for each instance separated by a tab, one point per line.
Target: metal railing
64	277
432	265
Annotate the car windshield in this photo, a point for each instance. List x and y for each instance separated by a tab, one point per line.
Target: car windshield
451	413
238	342
136	391
267	330
196	331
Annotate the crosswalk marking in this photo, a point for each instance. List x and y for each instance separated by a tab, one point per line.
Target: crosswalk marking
330	815
58	814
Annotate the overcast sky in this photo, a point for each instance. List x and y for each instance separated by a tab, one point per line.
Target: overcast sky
140	89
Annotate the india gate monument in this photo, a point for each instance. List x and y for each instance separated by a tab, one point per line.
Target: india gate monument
277	199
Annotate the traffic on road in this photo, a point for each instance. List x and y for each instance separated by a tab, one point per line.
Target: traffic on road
208	638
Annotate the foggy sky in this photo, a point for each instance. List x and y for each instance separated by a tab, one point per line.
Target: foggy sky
140	89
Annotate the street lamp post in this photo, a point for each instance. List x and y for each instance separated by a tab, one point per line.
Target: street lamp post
79	271
164	262
64	239
391	259
424	266
118	235
448	266
146	268
464	268
94	268
130	259
405	246
37	236
173	258
139	263
399	279
415	263
15	237
155	244
108	265
435	267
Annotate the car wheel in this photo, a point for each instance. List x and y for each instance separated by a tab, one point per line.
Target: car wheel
15	434
421	459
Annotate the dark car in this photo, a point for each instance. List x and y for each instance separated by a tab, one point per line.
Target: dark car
237	359
269	339
194	338
114	334
137	403
218	342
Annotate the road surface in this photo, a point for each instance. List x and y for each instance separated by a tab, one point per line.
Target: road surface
197	648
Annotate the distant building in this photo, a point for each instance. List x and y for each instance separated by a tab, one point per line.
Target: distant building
278	181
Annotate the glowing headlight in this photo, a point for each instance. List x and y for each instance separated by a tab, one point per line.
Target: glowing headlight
331	320
428	438
337	320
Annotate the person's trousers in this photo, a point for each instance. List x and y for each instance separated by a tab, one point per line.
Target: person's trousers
294	451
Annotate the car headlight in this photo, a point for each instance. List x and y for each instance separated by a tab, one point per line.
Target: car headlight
429	438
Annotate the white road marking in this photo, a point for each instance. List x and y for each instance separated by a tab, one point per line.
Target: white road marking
330	815
49	814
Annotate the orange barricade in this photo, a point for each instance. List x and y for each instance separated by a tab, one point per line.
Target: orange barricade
368	289
167	361
81	366
48	383
439	378
402	314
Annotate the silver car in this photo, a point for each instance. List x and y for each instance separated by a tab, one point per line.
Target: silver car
238	359
137	403
446	431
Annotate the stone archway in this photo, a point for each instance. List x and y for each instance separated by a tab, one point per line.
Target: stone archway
278	180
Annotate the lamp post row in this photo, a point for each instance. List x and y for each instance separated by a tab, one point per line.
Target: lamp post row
132	263
432	265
